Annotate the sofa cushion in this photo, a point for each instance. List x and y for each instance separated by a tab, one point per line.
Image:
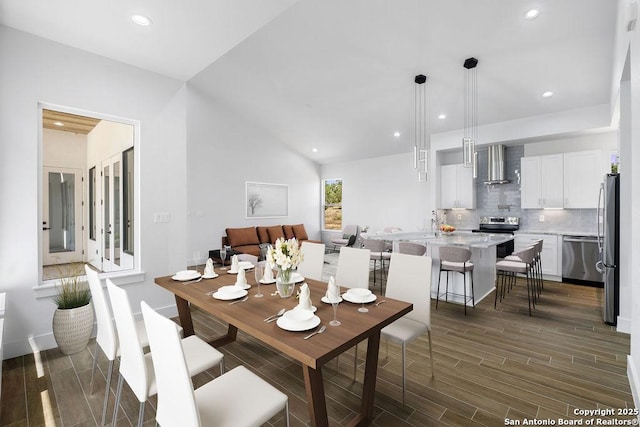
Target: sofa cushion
263	234
288	232
275	232
300	232
242	236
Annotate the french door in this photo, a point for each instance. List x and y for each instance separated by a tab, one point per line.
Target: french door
62	221
112	214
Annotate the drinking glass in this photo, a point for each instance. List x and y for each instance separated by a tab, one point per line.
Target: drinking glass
259	272
223	255
334	304
196	258
362	308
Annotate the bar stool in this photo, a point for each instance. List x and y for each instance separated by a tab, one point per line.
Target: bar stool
537	267
512	267
456	259
411	248
378	253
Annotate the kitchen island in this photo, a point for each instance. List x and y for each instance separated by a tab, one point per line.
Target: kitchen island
483	257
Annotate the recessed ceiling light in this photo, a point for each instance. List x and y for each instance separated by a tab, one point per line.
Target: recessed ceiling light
532	14
58	123
141	20
442	116
547	94
315	150
396	134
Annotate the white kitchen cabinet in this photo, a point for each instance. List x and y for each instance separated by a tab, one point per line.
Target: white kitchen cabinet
457	189
583	172
541	182
551	253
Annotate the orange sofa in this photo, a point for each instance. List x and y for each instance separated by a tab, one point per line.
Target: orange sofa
247	240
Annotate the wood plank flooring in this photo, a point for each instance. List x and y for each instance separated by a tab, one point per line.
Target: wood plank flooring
491	365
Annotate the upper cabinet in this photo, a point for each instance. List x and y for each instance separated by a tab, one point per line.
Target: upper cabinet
542	178
457	189
583	172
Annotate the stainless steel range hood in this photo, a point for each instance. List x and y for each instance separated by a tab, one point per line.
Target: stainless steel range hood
495	171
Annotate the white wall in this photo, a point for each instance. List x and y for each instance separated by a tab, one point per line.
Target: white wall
64	149
380	192
35	70
223	152
606	141
630	176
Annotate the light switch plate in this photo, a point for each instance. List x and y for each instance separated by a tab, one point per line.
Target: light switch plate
541	218
161	217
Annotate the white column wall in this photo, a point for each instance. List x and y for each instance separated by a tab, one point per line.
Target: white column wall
35	70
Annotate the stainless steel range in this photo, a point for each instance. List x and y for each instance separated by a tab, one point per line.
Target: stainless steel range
500	224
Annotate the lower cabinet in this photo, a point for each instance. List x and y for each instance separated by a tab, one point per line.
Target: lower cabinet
551	253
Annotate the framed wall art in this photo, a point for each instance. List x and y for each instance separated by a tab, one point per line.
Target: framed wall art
265	200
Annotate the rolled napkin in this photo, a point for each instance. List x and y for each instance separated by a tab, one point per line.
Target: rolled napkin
234	263
241	280
304	299
268	273
208	268
333	290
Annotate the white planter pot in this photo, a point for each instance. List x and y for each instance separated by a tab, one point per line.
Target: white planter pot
72	328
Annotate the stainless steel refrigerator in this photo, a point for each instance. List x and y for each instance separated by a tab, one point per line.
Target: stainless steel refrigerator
609	245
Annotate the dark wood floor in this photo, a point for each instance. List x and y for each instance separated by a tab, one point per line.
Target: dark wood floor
490	365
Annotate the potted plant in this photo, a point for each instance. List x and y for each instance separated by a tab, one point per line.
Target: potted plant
73	319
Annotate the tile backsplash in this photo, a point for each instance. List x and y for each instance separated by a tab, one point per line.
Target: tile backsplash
504	200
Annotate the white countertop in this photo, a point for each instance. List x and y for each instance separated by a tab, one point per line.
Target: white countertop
477	240
558	232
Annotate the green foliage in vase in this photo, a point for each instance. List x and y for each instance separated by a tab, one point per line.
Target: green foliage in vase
72	292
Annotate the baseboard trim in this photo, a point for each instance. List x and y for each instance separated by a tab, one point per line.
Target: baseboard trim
30	345
634	382
623	325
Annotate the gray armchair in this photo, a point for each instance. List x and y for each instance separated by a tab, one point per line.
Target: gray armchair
346	239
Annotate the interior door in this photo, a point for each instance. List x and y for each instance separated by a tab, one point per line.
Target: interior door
112	213
62	220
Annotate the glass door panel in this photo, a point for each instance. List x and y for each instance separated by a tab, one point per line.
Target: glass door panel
62	216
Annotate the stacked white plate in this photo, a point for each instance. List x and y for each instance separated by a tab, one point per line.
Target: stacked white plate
359	296
186	275
298	320
227	293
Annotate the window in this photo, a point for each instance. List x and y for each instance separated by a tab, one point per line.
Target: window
332	193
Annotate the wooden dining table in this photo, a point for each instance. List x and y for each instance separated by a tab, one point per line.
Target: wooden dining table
248	316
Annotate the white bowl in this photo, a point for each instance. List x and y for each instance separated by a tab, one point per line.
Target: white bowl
359	292
297	316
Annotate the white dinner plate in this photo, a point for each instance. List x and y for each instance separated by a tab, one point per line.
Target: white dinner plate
228	296
212	276
313	308
283	323
183	276
268	282
297	277
358	300
328	301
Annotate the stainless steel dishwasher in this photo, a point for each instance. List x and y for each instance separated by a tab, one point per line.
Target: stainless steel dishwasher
579	257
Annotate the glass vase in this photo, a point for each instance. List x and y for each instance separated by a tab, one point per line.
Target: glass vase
284	284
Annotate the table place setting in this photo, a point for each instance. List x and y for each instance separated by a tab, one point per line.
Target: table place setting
238	266
209	272
304	299
333	292
229	292
298	320
187	276
241	280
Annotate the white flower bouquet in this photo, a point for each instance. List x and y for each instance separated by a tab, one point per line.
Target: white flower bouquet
285	256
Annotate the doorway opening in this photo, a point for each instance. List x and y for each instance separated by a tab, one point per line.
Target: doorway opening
88	192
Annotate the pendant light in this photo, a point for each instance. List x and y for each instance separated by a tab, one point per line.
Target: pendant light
470	137
420	149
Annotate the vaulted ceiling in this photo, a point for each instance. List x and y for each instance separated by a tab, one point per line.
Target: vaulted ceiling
337	75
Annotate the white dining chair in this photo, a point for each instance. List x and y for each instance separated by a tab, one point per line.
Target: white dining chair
237	398
136	367
353	272
353	268
409	280
106	336
313	260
